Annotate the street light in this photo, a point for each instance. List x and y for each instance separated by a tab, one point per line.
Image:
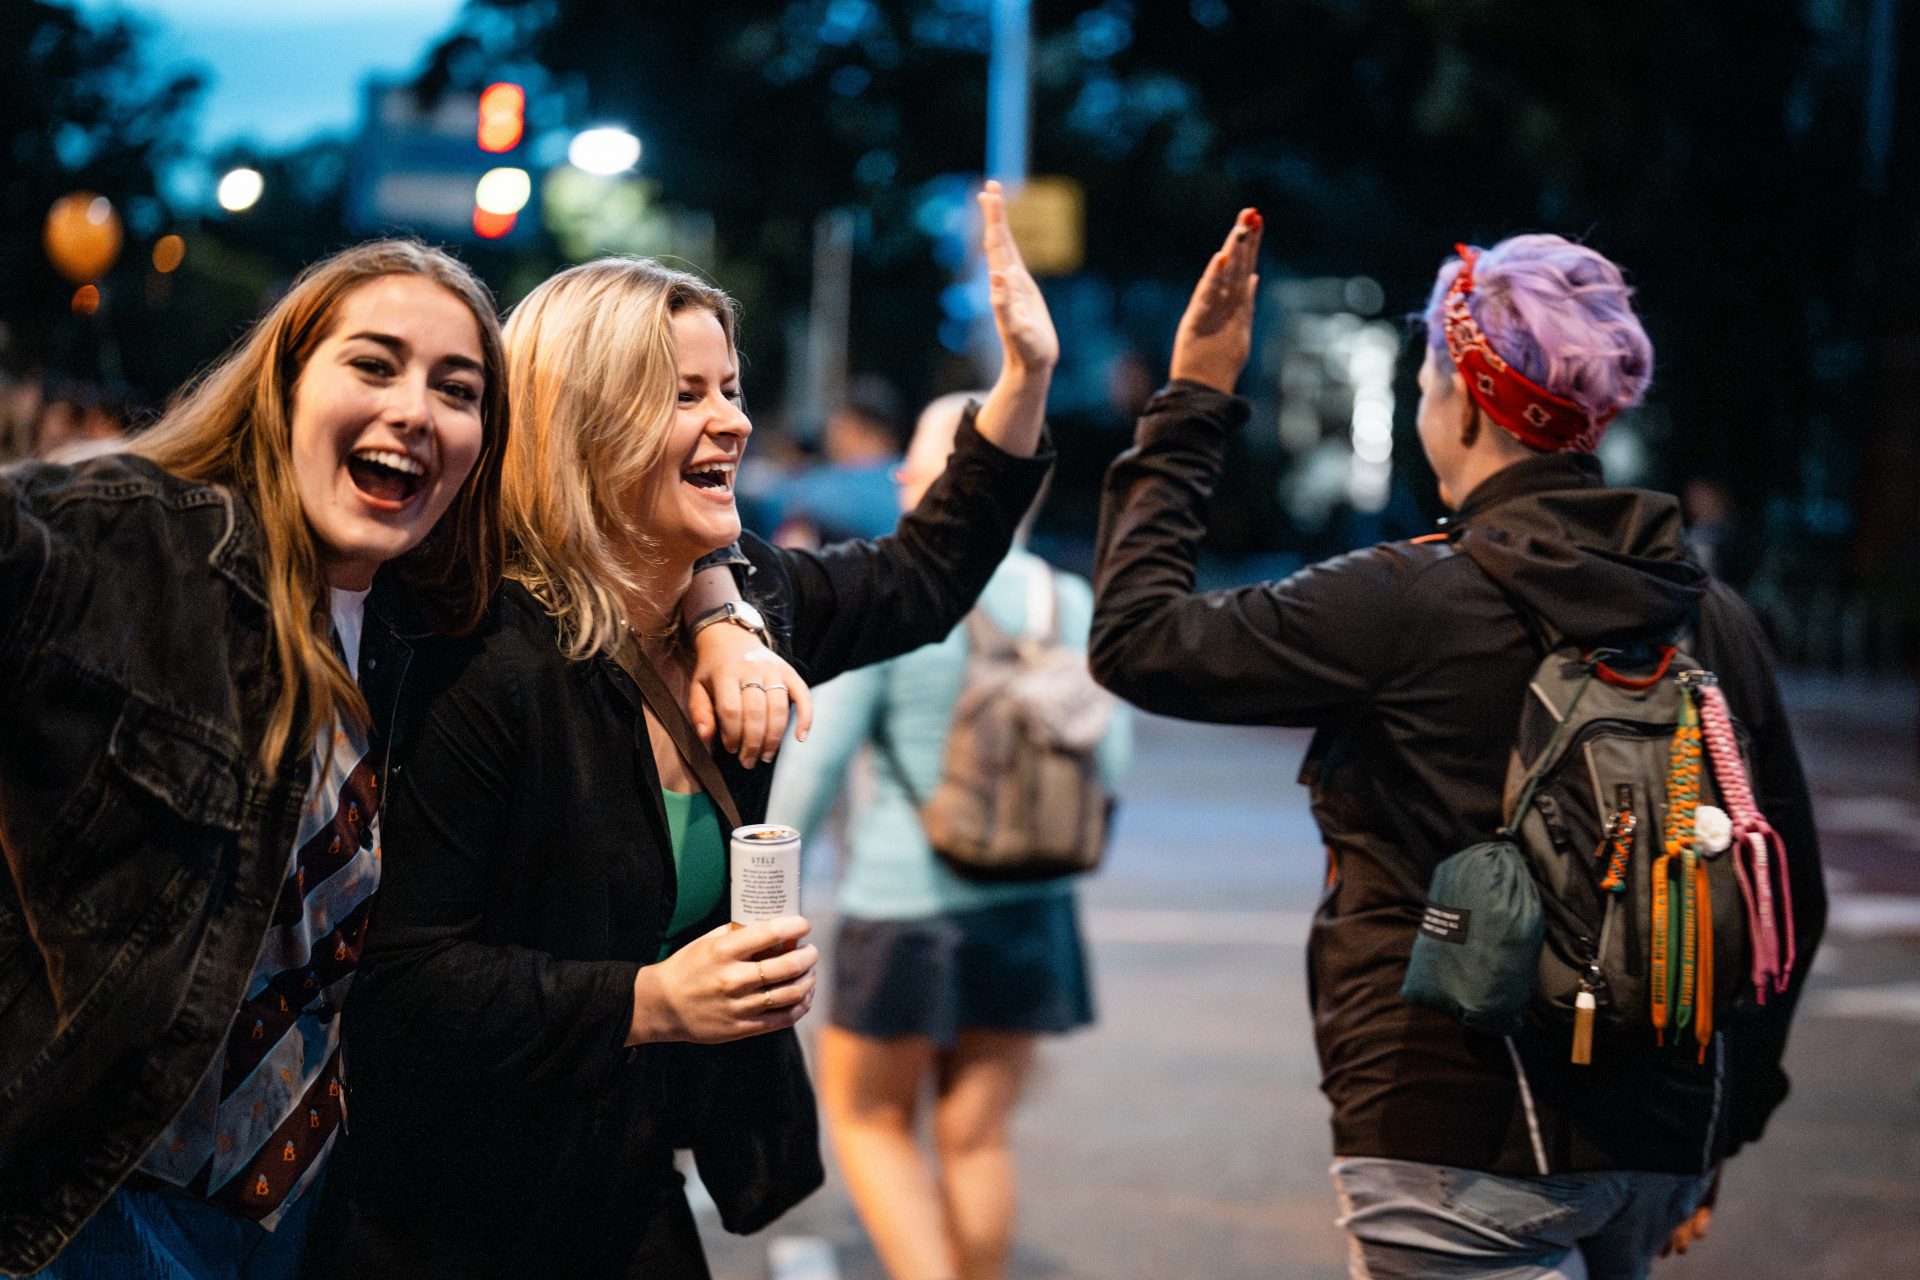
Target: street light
605	151
82	236
498	198
503	119
240	190
503	191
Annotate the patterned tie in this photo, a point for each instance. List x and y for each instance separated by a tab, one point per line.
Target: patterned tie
259	1186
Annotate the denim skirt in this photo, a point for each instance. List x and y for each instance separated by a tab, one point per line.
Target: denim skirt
1017	966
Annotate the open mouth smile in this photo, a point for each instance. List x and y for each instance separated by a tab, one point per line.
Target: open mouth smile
714	479
386	477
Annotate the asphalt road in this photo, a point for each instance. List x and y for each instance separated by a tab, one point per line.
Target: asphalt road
1185	1135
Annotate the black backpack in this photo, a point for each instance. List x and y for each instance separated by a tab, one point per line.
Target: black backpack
1602	909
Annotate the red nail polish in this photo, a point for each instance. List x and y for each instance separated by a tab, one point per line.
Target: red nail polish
1254	219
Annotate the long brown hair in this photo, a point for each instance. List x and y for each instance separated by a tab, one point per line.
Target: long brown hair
592	373
232	426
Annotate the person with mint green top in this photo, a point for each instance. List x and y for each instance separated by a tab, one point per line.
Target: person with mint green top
936	977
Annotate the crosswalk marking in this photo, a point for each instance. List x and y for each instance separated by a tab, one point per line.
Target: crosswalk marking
1889	1002
1874	914
801	1258
1889	817
1198	928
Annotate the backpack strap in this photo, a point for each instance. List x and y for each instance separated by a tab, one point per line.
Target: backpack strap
1043	606
883	744
984	634
1042	621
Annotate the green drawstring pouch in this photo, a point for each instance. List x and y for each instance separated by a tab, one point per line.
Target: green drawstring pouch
1478	947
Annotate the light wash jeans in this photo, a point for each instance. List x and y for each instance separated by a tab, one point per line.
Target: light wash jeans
156	1235
1405	1219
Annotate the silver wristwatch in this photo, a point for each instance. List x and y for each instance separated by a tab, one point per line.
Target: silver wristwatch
740	614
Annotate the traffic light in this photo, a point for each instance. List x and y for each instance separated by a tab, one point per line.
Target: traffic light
503	121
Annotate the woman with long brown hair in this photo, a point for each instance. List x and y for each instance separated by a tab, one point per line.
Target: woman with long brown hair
194	681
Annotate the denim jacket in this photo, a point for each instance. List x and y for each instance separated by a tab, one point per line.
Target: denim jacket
145	845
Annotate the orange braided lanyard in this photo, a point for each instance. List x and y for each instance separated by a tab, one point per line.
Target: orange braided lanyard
1673	993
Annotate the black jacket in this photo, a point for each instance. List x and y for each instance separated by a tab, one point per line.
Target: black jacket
498	1125
144	844
1410	660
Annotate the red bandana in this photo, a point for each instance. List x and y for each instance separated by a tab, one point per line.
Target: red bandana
1531	414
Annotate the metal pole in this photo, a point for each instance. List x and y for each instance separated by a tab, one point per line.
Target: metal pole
1007	129
823	382
1882	69
1007	91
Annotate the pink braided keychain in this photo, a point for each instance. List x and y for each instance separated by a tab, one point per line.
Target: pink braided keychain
1753	836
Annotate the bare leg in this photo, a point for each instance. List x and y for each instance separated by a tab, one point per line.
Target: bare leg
979	1082
870	1090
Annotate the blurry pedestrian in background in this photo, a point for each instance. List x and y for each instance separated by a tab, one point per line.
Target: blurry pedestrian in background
1458	1153
850	493
22	391
82	420
941	983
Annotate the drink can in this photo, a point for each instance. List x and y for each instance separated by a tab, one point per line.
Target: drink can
763	873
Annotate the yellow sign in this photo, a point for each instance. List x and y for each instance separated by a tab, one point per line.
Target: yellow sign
1049	221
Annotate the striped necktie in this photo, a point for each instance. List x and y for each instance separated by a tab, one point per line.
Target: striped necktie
262	1183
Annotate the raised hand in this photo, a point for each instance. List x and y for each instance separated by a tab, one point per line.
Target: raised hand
1019	311
1216	333
1014	413
727	985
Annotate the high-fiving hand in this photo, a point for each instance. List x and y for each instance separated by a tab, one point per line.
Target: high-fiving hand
1216	333
1013	416
1019	312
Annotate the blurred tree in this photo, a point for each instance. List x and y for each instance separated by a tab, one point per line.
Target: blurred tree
1712	147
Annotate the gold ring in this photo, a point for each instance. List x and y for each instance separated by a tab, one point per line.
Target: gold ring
760	966
768	997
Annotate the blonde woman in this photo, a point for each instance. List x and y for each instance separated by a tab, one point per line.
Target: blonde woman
202	650
555	1002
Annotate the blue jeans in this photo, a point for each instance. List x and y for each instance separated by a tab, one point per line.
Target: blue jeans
156	1235
1405	1219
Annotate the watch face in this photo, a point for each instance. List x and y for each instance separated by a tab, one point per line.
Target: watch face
749	615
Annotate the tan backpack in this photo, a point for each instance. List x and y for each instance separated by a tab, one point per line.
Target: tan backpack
1019	796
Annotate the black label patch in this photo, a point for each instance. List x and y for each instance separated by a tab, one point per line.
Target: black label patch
1448	924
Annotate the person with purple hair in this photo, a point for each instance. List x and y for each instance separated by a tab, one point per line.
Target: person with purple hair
1456	1152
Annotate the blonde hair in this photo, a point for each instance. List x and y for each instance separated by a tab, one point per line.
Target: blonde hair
233	426
593	374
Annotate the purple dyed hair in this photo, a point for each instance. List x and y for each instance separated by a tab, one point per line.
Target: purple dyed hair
1559	313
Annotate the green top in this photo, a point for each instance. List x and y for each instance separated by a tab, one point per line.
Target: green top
699	860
